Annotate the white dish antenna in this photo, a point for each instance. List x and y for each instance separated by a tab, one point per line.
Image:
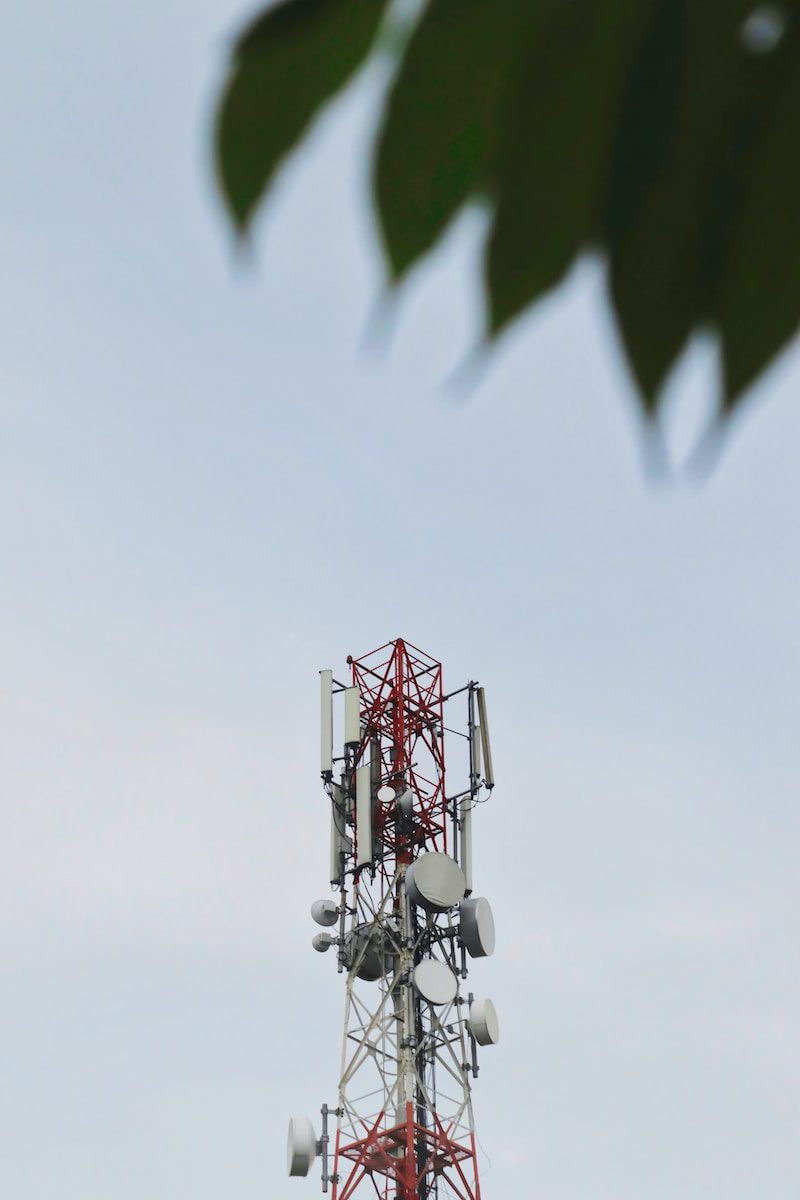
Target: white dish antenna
483	1023
325	912
477	926
386	794
301	1146
435	882
322	942
435	982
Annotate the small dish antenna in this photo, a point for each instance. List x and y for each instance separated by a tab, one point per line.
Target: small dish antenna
435	982
477	926
325	912
301	1146
483	1023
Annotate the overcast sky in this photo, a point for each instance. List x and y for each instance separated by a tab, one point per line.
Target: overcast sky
209	490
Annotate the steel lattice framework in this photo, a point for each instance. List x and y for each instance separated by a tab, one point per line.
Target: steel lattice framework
404	1113
403	719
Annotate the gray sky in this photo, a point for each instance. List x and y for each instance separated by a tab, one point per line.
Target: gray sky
208	491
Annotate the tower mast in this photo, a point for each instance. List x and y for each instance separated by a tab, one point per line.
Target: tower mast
407	926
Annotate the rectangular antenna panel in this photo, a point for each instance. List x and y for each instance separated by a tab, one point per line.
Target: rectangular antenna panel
466	840
352	716
326	711
375	765
338	832
488	770
363	815
476	751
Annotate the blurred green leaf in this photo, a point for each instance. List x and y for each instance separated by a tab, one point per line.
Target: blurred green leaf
552	178
442	119
758	294
664	133
648	220
290	61
696	104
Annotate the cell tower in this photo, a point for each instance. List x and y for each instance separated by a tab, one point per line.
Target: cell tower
405	925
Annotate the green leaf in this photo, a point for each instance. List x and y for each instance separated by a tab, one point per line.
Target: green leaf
285	67
660	131
693	112
442	119
553	175
758	304
649	220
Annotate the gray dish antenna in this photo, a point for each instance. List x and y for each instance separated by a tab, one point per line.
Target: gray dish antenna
371	951
483	1023
435	882
477	926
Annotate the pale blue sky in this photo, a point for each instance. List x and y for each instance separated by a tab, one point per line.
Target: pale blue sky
208	491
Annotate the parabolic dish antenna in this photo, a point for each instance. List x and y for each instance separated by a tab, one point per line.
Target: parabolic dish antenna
325	912
301	1146
477	926
483	1023
435	882
386	794
435	982
372	950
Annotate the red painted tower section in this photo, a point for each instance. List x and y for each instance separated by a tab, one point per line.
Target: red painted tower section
403	710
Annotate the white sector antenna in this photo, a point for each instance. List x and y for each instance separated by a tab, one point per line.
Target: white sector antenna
352	716
363	815
326	717
466	840
488	769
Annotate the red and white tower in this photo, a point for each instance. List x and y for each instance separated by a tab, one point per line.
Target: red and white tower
405	925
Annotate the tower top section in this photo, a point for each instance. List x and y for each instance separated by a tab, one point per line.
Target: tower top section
394	797
402	736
